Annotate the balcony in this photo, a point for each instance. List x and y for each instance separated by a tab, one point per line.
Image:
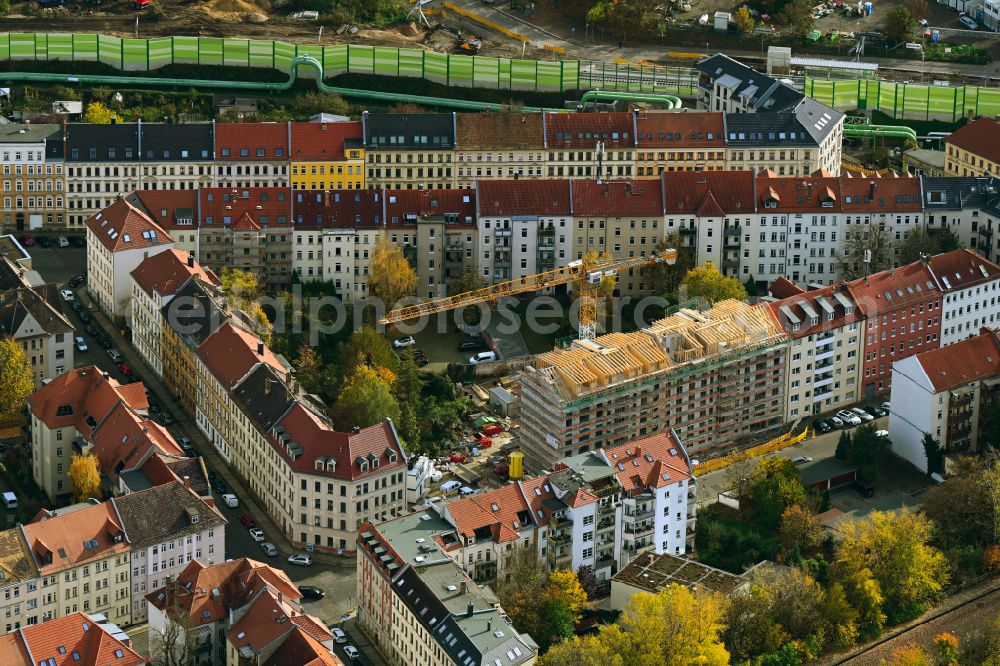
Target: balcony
826	367
985	232
559	537
638	515
688	231
637	531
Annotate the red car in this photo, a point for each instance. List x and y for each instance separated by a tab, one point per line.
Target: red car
457	457
27	241
247	521
125	369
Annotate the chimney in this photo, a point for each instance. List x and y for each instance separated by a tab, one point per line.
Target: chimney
464	587
356	429
469	609
106	375
187	482
489	625
267	386
638	451
871	189
260	348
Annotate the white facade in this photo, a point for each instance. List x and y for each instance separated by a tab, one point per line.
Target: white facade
147	326
965	311
109	279
916	409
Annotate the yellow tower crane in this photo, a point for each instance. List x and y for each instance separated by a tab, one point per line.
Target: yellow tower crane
589	275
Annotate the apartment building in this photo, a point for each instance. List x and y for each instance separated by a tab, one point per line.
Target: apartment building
417	606
82	556
172	210
946	393
525	228
154	282
590	145
337	249
68	640
791	143
19	603
731	87
969	207
252	155
33	179
902	311
238	612
679	142
970	288
597	509
720	372
176	157
32	315
327	156
498	146
970	150
119	238
823	368
167	526
409	151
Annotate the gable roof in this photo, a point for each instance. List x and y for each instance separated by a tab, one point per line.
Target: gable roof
230	353
498	514
812	194
323	142
83	397
961	269
615	129
405	131
828	304
165	272
300	649
124	440
668	129
616	198
783	288
121	226
503	130
685	191
73	640
263	396
963	362
402	205
651	462
523	197
894	288
171	209
763	92
980	137
165	512
193	312
72	538
38	304
231	139
272	618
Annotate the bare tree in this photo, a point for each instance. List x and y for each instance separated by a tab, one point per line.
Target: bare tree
861	240
738	478
176	645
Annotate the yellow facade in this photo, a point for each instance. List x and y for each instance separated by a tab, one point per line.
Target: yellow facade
348	174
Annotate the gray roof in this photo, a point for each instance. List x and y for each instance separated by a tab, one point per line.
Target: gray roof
164	513
957	192
29	132
808	124
193	312
86	142
765	92
172	143
41	304
418	131
263	396
817	118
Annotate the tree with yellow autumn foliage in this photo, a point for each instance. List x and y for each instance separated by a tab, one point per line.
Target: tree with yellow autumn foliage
16	382
243	291
98	114
390	276
365	399
85	476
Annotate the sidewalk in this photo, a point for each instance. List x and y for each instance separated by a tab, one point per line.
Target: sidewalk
185	424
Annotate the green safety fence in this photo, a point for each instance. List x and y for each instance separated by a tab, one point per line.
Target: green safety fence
143	55
907	101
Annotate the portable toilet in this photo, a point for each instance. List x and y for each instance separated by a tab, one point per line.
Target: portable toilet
868	9
516	470
721	23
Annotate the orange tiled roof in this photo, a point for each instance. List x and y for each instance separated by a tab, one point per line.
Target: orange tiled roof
121	226
963	269
270	617
67	540
980	137
685	191
165	272
523	197
792	311
783	288
124	440
617	198
963	362
893	289
76	397
245	223
74	640
650	462
665	129
585	130
322	142
502	131
503	511
232	138
230	353
301	649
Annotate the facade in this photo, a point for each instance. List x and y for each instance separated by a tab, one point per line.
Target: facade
945	393
597	509
119	238
590	145
970	286
232	614
970	150
720	372
194	313
498	146
19	602
167	526
154	283
327	156
67	641
417	606
409	151
679	142
252	155
33	178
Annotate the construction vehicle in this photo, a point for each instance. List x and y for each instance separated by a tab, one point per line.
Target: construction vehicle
141	4
468	45
588	275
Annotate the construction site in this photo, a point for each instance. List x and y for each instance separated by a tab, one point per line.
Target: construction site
713	376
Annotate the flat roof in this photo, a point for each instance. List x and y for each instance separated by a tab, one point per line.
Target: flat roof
652	572
841	64
821	470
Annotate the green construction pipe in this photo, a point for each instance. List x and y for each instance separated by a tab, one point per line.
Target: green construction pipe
298	61
669	101
868	131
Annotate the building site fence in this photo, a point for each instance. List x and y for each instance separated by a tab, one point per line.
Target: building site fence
145	55
776	444
906	101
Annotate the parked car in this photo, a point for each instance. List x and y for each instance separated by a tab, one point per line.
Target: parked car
483	357
230	500
43	241
821	426
77	307
105	342
80	241
405	341
351	652
886	407
269	549
77	280
186	445
247	521
968	22
81	344
165	418
257	534
62	241
92	330
300	560
798	460
338	635
218	486
67	295
421	361
881	433
873	410
471	345
83	316
115	356
125	368
862	414
835	422
311	592
849	418
26	241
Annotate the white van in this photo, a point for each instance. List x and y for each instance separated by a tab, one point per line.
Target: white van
483	357
449	486
230	500
10	500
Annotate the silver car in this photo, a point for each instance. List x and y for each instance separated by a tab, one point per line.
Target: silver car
269	549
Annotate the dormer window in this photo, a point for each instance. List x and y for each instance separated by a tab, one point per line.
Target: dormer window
813	321
796	326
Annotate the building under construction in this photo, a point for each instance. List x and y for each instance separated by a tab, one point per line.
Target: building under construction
714	377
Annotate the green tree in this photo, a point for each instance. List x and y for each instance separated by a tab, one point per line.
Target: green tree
776	486
365	399
859	239
935	456
4	7
840	620
868	450
989	427
844	446
86	477
99	114
16	379
919	242
708	283
242	289
664	279
894	548
799	530
743	20
308	370
619	17
750	285
390	276
960	507
554	623
519	585
368	347
900	24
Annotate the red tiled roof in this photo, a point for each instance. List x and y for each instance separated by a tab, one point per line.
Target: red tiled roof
322	142
791	311
271	618
812	194
650	462
165	272
81	394
246	223
430	203
121	226
963	269
616	198
74	640
124	439
234	137
980	137
894	289
537	490
584	130
709	207
898	195
301	649
685	191
523	197
963	362
666	129
264	204
63	535
165	207
783	288
339	209
230	353
497	510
